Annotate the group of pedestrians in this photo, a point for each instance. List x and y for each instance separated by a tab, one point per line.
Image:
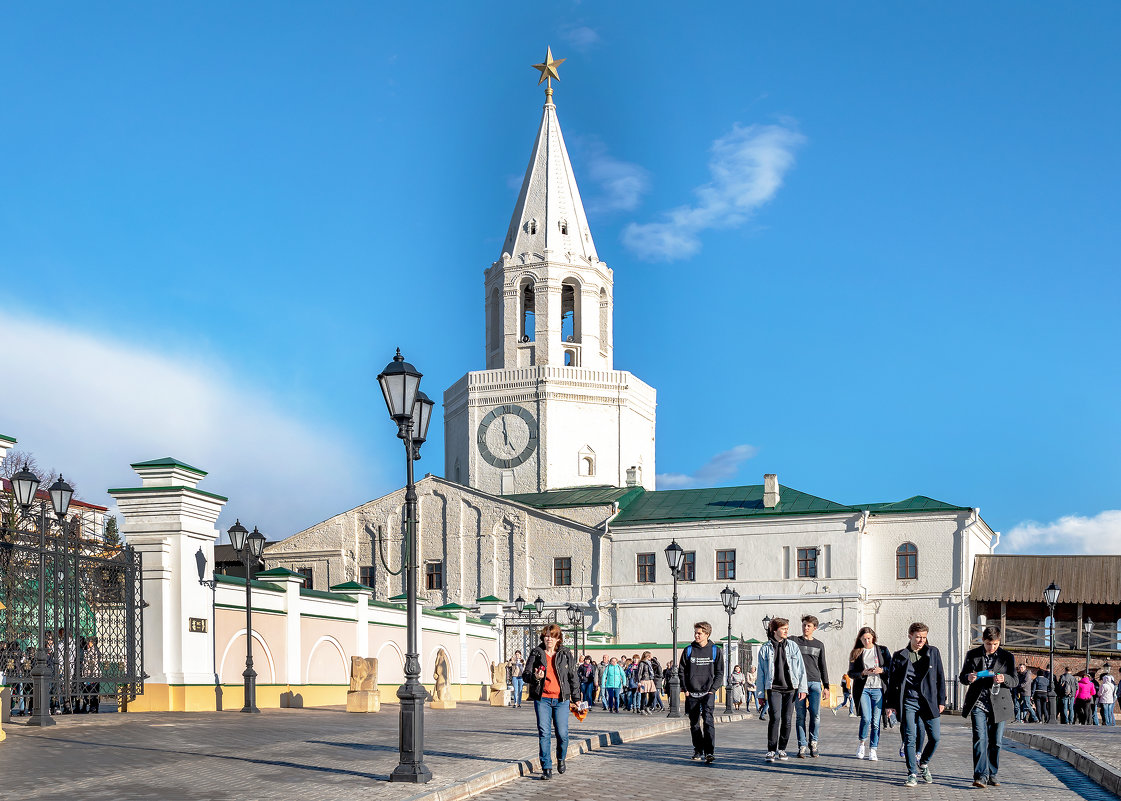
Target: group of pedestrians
1087	697
74	666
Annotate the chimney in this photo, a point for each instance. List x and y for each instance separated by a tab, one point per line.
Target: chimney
770	490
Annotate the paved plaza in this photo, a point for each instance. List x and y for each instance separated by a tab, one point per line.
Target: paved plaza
331	755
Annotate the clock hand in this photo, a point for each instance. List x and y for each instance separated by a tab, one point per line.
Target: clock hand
505	434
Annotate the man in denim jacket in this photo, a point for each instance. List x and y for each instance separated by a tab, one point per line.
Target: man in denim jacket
782	674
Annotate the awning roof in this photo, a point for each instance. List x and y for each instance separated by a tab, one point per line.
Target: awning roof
1081	579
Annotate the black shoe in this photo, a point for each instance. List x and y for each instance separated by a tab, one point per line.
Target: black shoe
560	766
697	756
993	782
546	774
710	758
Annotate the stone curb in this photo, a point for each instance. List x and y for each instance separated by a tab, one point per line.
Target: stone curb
1095	769
481	782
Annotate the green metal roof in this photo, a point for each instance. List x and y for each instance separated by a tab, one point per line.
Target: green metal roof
916	503
453	607
490	599
6	438
718	503
669	506
349	585
279	572
168	461
578	496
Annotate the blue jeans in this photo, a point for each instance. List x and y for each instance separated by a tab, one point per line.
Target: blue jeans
1107	715
519	682
611	699
811	704
588	690
987	737
1067	702
909	724
552	713
871	705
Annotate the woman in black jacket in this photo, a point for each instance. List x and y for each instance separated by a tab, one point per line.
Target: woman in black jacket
550	677
869	669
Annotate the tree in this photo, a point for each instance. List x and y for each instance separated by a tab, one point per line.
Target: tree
18	460
112	533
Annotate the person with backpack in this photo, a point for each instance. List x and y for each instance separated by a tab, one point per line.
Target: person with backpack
612	685
782	676
586	673
702	674
658	678
601	666
631	693
1107	695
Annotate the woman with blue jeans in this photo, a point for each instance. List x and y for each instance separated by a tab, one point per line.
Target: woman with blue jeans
550	675
869	668
517	667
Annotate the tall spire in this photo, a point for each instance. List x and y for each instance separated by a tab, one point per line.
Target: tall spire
549	214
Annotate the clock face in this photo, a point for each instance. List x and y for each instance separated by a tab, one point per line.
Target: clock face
507	436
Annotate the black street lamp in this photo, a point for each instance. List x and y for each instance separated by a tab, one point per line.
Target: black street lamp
25	485
731	599
675	555
576	618
1088	627
1051	597
411	410
767	624
248	548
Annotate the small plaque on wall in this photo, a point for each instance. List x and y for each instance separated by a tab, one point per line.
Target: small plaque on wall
197	624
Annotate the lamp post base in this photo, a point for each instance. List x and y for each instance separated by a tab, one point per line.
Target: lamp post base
674	696
412	696
41	675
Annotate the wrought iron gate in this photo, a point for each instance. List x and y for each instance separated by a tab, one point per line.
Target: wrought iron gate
90	613
519	632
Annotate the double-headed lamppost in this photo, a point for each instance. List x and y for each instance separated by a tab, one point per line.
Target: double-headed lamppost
1087	629
1051	597
25	485
248	548
675	555
538	606
576	618
411	410
731	599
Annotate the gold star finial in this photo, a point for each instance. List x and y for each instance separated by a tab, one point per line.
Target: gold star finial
548	69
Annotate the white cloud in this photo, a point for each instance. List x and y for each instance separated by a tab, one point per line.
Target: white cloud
581	37
620	185
747	167
1071	534
720	467
104	404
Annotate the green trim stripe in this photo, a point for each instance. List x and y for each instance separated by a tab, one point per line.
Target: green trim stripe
129	490
167	461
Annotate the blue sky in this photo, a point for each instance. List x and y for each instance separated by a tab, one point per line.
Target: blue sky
873	249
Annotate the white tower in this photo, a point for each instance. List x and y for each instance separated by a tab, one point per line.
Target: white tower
549	411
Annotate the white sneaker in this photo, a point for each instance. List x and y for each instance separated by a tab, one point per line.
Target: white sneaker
771	756
860	751
783	756
872	755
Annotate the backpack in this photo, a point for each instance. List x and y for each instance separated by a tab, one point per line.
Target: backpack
657	668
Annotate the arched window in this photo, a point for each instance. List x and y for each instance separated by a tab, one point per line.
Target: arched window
494	321
528	303
570	311
907	561
587	464
604	323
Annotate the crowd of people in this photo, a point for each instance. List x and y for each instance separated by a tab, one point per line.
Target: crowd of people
885	689
75	668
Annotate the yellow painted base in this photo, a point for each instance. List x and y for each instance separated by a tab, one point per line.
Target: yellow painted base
208	698
3	735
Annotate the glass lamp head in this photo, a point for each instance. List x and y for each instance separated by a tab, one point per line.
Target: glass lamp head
61	493
238	533
24	486
399	384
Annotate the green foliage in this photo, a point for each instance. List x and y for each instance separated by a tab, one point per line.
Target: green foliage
112	534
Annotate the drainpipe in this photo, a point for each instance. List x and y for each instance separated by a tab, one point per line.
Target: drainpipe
596	614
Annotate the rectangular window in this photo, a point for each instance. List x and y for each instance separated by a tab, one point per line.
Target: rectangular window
562	571
366	575
306	572
434	575
689	567
725	565
807	563
646	565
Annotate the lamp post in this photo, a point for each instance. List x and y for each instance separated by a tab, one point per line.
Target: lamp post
411	410
675	556
25	485
1088	627
576	618
1051	597
731	599
767	625
248	548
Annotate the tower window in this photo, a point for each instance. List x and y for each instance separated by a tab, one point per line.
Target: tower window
529	305
564	227
587	464
531	226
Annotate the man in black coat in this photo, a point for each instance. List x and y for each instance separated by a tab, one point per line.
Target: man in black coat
917	688
990	673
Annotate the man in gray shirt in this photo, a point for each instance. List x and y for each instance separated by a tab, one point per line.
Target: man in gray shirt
808	710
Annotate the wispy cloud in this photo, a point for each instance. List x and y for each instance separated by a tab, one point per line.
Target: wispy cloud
747	166
719	468
110	403
1071	534
580	37
618	185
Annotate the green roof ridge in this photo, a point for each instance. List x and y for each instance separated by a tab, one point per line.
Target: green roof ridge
490	599
351	585
6	438
167	461
451	607
279	572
